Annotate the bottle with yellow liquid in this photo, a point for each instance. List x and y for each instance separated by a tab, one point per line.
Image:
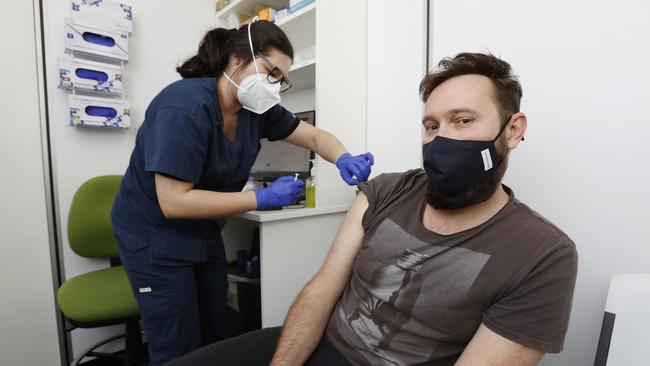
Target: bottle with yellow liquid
310	192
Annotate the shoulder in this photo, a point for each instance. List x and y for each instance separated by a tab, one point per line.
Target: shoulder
393	184
545	239
388	190
190	95
539	223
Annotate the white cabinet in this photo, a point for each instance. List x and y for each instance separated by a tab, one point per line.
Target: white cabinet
293	245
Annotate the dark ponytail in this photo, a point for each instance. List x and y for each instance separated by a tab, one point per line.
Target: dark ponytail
218	44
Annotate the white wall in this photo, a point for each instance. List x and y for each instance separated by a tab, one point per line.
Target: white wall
396	65
584	164
28	335
340	88
164	34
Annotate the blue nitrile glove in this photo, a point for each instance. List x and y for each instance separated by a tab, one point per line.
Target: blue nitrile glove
284	191
355	169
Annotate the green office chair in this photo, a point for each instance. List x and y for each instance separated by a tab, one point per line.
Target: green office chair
104	297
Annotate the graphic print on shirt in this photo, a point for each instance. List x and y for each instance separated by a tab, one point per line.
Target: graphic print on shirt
399	283
376	317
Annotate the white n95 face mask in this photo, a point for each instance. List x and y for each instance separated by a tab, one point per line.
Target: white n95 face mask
256	93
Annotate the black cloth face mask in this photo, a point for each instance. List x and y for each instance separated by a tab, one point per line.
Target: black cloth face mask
456	166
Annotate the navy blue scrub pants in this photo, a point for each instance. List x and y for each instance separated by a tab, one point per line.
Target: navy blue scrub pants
183	307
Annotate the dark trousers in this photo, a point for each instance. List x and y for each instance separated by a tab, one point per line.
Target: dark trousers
254	349
182	307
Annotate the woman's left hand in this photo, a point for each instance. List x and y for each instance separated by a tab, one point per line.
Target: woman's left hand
355	169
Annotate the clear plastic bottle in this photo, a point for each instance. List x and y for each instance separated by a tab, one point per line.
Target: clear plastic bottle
310	192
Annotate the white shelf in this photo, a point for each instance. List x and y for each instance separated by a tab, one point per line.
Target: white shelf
306	63
303	76
247	7
228	9
293	16
237	278
300	26
291	213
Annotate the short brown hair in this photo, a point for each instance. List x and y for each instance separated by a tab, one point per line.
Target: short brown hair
507	90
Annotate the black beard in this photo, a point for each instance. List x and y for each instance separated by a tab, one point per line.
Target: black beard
479	193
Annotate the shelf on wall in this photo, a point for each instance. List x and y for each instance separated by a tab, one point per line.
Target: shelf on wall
247	7
305	11
300	27
303	75
306	63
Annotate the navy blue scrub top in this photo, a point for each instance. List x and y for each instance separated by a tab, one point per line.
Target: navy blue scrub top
182	137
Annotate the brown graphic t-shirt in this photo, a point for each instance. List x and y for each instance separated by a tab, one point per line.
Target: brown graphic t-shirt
417	298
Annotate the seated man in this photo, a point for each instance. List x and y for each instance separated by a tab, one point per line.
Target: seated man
441	266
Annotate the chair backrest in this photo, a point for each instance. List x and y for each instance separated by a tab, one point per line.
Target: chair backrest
625	334
90	232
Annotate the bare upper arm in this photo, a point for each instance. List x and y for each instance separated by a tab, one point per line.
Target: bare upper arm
304	135
168	190
488	348
336	269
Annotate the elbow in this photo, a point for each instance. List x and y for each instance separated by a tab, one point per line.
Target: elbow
167	211
170	196
170	210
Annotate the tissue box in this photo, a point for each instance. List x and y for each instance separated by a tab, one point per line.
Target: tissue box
96	41
103	14
101	112
89	75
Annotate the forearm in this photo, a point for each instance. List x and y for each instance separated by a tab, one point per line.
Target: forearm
304	326
201	204
328	146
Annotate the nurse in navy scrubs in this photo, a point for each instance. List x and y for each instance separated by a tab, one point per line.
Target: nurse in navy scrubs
192	157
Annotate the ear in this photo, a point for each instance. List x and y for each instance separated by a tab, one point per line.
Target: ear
516	130
234	62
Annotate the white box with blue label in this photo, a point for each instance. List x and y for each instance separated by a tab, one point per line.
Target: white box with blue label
99	112
96	41
89	75
111	15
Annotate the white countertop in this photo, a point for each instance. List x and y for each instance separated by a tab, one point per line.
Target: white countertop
291	213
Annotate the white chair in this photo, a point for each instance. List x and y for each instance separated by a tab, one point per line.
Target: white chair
625	334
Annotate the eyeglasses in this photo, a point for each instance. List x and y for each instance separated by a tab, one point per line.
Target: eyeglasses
285	84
